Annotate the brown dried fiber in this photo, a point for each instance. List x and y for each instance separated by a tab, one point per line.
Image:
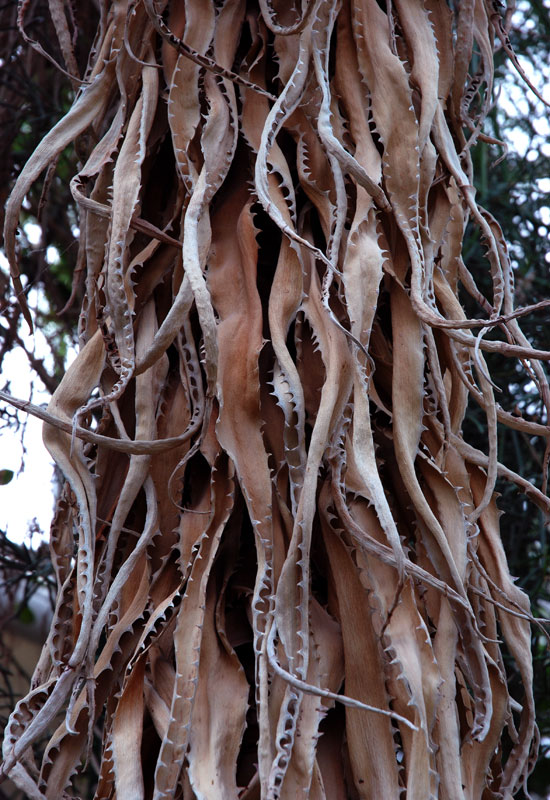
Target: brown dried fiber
288	578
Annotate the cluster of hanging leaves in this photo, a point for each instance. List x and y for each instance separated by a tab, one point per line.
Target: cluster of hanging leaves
279	565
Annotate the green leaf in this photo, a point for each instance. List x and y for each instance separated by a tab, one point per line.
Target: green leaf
5	476
26	615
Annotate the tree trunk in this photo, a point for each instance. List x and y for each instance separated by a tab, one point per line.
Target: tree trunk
288	579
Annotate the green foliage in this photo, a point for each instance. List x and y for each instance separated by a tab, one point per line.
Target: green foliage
25	615
5	476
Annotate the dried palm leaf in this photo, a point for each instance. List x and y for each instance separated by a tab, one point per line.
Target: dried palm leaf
288	578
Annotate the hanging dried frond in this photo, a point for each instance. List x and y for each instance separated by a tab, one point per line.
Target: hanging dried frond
287	579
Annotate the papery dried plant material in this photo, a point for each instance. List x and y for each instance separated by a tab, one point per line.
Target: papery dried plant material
287	578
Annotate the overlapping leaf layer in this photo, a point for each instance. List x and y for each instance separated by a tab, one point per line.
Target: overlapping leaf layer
279	564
